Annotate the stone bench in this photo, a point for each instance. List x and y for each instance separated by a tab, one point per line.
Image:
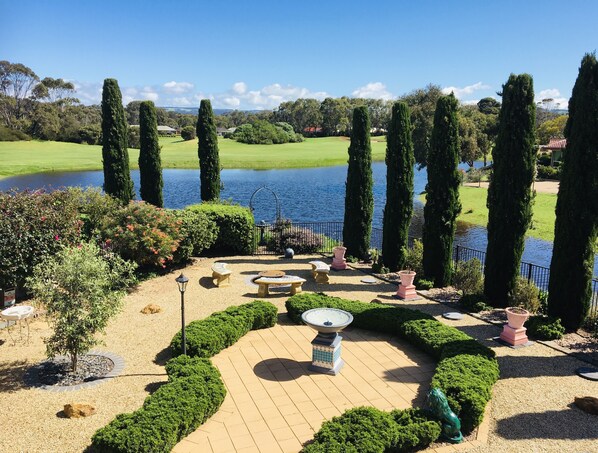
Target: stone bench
320	271
221	274
265	282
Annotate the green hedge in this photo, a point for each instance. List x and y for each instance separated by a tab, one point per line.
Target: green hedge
194	391
370	430
466	370
235	227
197	233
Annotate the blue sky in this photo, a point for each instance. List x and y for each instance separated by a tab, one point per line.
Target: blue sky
255	54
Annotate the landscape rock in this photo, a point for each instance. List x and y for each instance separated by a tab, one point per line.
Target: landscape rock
78	410
151	309
587	404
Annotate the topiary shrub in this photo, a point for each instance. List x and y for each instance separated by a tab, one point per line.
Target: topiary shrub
467	369
197	233
468	277
188	133
545	328
417	429
235	227
193	393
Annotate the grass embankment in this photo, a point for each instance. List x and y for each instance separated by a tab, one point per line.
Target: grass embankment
18	158
473	200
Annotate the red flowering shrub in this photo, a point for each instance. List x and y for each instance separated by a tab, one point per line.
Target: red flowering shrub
33	226
143	233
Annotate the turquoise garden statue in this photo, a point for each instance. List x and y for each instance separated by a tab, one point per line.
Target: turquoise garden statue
451	425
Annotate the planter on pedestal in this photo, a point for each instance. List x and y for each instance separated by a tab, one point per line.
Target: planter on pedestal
513	332
406	289
338	261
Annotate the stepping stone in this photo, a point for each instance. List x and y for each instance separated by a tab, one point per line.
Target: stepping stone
453	315
588	373
369	280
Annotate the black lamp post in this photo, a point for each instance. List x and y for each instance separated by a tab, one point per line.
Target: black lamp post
182	282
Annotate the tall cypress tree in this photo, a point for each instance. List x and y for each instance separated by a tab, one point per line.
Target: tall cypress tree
509	195
442	193
150	164
576	226
359	196
399	187
209	160
115	157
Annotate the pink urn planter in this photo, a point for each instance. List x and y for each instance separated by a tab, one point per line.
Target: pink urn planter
338	261
406	290
513	332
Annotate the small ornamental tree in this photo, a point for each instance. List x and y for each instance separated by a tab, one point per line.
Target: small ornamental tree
399	188
115	157
576	226
81	288
442	193
150	164
209	160
509	195
359	197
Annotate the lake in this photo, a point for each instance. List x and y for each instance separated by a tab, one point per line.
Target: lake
306	194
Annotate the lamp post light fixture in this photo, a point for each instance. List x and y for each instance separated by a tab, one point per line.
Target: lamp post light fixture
182	282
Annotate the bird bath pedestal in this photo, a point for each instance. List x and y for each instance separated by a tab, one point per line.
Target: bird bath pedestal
326	347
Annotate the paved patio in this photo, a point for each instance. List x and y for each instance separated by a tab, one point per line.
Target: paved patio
275	404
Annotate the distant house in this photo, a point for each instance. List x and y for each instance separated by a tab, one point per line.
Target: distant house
312	130
221	131
556	146
166	130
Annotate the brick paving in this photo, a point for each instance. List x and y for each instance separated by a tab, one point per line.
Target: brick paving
275	404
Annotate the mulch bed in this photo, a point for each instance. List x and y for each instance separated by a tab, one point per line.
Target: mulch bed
57	371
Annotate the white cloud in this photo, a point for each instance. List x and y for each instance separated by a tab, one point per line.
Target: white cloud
150	95
232	101
177	87
373	90
240	87
558	102
181	102
465	91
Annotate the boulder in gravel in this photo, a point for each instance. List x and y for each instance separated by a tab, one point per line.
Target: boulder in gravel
78	410
151	309
587	404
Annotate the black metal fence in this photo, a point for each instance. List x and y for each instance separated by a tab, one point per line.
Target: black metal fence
322	237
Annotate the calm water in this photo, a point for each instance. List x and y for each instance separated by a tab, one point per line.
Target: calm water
313	194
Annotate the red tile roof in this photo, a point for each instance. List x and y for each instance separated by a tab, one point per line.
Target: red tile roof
556	143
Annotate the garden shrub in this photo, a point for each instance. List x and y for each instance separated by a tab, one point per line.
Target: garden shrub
143	233
12	135
423	284
474	303
468	277
197	233
545	328
188	133
417	429
207	337
264	133
235	227
33	226
302	240
194	391
94	208
467	369
414	258
548	172
525	295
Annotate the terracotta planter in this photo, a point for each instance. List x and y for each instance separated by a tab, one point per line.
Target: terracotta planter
407	277
516	317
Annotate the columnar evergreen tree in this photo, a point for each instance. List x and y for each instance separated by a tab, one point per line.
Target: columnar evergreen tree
509	195
209	160
442	193
399	187
150	164
359	196
115	157
576	226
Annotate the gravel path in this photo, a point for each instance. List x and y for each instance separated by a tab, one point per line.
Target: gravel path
530	408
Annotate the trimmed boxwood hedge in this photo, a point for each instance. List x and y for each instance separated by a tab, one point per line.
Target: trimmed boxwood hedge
466	370
235	227
194	391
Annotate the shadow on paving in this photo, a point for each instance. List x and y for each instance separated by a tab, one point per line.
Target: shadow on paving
569	423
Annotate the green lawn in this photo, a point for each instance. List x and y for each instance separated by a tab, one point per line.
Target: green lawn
18	158
474	199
